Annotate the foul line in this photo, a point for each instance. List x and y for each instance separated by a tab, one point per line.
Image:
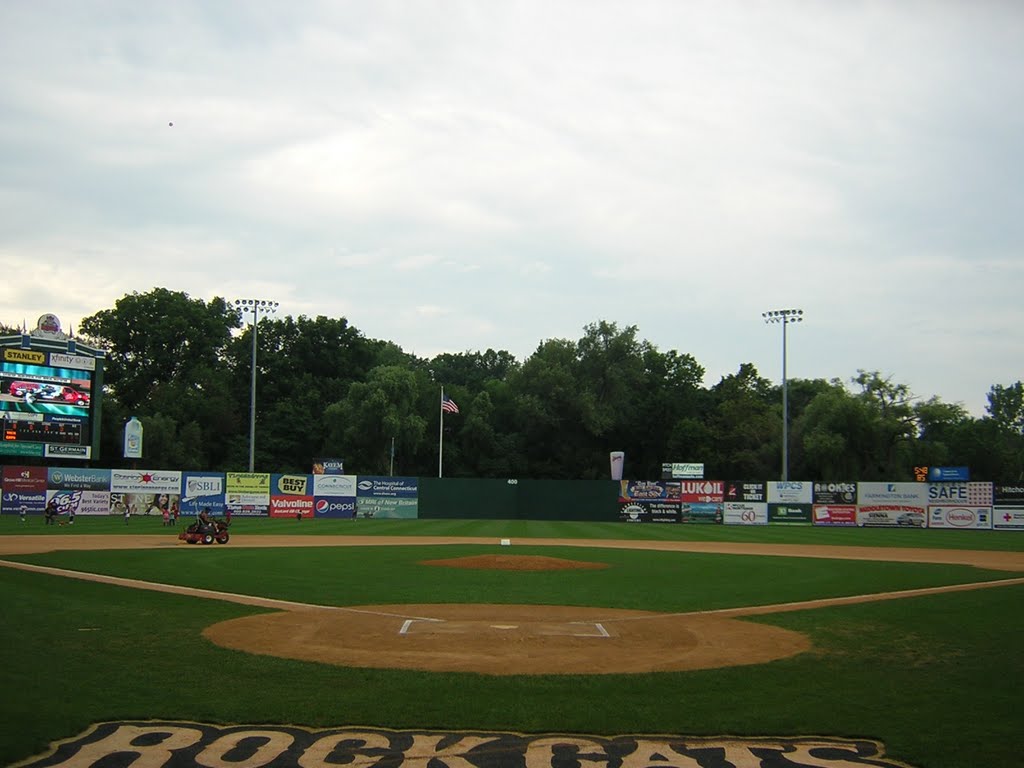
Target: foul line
210	594
826	602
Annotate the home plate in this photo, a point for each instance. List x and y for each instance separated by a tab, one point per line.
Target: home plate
523	629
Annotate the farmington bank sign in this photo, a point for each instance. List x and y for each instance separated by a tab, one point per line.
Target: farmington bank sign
177	744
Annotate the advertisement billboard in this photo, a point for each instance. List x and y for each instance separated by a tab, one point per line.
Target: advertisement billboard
789	492
701	491
789	514
387	497
834	493
291	495
745	490
644	511
648	501
948	474
835	503
745	513
201	490
701	512
960	505
247	494
80	502
835	514
322	466
1007	512
23	486
334	495
46	404
951	516
334	485
648	490
885	505
334	506
682	470
145	481
63	479
383	508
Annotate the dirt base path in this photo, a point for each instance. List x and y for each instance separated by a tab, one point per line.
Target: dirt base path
511	639
996	560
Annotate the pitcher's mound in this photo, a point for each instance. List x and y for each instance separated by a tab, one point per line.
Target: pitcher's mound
508	639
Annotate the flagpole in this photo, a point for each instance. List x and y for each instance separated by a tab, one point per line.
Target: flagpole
440	436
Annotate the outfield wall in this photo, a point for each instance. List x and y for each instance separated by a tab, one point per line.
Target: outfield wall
86	491
512	499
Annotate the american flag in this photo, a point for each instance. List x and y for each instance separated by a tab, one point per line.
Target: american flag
447	404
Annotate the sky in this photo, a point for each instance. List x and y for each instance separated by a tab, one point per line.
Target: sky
457	176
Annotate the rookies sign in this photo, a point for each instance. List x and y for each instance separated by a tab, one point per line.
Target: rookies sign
176	745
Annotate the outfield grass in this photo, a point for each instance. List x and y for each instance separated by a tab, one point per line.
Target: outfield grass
936	678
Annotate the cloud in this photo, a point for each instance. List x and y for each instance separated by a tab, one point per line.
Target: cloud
491	175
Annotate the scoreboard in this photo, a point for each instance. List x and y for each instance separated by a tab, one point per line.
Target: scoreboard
46	404
24	430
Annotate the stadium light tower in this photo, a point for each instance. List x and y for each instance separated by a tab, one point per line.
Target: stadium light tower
784	317
254	307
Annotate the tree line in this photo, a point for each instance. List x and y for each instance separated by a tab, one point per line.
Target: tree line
183	366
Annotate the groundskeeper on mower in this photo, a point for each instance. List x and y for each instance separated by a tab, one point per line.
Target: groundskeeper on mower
215	531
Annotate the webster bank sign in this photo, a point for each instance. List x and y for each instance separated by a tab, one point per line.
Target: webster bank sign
179	744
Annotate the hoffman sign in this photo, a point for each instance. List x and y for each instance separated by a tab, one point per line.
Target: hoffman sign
682	471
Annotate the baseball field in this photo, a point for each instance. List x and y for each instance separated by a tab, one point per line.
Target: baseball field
491	643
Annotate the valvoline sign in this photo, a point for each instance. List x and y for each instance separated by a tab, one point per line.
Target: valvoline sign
334	506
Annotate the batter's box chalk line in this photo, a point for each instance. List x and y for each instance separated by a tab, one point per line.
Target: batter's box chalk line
527	628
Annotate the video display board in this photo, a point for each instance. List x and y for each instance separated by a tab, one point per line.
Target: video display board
46	404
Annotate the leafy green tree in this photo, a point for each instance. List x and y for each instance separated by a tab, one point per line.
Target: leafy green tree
304	365
889	452
159	337
800	394
165	364
184	368
472	370
1006	406
671	412
744	429
549	410
835	435
360	428
940	429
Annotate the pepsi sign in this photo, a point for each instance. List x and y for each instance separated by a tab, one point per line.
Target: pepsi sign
334	506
